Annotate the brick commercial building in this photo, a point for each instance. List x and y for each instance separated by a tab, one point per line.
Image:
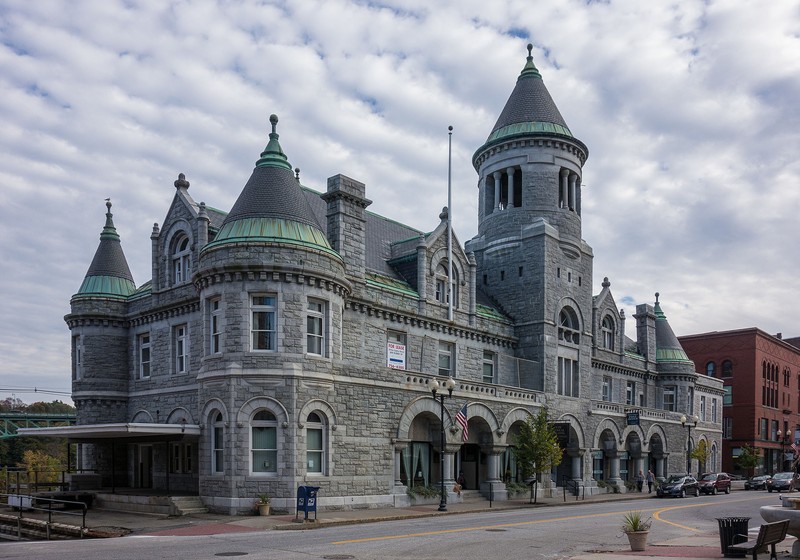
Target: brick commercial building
761	407
294	340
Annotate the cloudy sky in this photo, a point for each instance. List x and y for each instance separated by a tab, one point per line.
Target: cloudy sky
689	109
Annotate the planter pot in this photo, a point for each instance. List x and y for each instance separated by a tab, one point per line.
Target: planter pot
638	540
263	509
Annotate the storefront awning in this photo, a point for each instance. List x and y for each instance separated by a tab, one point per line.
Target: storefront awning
130	431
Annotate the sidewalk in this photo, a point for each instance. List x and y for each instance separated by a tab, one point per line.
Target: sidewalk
115	523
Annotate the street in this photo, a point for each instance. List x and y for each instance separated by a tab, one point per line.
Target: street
555	532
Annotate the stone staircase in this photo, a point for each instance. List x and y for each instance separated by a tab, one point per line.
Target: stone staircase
187	505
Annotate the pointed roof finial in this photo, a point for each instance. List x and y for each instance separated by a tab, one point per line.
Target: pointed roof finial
530	69
109	231
297	174
443	213
273	155
181	182
657	294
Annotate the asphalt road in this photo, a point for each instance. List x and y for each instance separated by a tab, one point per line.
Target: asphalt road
555	532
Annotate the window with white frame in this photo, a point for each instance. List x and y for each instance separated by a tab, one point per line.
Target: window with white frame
630	393
714	410
77	358
607	385
315	444
702	408
442	294
218	445
727	398
669	397
264	443
568	379
181	346
144	356
607	330
489	366
568	329
446	359
215	309
181	260
315	327
690	400
263	327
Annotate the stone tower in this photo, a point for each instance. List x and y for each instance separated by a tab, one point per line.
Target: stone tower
531	259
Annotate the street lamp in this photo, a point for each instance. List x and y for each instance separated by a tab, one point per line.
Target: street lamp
782	440
448	384
689	422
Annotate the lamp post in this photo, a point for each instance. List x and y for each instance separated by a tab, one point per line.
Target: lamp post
448	384
689	422
782	440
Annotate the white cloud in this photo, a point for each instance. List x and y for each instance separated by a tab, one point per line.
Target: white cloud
688	109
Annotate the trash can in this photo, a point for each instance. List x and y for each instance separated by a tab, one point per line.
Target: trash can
731	530
306	501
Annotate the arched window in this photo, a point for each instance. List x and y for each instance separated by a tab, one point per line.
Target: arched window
441	284
711	369
316	441
568	382
608	333
181	260
264	442
218	445
568	327
727	368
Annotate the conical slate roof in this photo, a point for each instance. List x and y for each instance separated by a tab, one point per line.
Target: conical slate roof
271	204
530	109
109	274
668	349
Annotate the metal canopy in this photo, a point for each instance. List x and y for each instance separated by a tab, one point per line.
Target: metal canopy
118	432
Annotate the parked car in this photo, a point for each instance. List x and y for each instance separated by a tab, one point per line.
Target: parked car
712	483
678	485
782	482
757	482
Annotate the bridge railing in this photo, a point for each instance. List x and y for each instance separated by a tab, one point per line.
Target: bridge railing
37	507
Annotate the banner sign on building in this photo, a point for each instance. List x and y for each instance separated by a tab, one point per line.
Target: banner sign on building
396	355
561	430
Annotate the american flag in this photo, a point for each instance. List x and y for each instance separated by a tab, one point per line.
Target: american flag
795	448
461	420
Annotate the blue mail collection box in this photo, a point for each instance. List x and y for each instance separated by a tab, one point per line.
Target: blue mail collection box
307	500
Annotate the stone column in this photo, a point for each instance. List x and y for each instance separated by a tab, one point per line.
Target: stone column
576	466
493	482
497	183
510	172
563	202
573	194
399	446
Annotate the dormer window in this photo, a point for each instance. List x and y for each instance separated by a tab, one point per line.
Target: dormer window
608	333
441	293
181	260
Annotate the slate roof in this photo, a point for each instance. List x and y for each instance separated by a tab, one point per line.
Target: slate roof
668	349
109	274
529	109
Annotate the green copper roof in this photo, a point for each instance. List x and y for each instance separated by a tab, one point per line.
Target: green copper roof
668	349
109	274
272	206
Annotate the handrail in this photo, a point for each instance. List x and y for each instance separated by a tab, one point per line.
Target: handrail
7	501
578	488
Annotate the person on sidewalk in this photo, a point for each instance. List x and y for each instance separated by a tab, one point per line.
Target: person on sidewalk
650	479
639	481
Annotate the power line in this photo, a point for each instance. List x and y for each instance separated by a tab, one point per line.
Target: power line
33	390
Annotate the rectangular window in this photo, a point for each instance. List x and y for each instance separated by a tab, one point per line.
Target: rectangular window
773	434
568	379
396	349
630	393
216	326
762	429
219	447
642	399
315	327
727	398
144	356
181	458
263	327
181	345
690	400
727	427
714	410
314	450
77	358
669	398
607	384
488	367
702	408
265	449
446	359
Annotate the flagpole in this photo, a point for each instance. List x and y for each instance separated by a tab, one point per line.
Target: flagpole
450	292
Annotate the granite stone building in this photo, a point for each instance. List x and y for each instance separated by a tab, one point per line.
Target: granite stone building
294	339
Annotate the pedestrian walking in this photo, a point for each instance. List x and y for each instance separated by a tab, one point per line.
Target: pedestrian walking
650	479
639	481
